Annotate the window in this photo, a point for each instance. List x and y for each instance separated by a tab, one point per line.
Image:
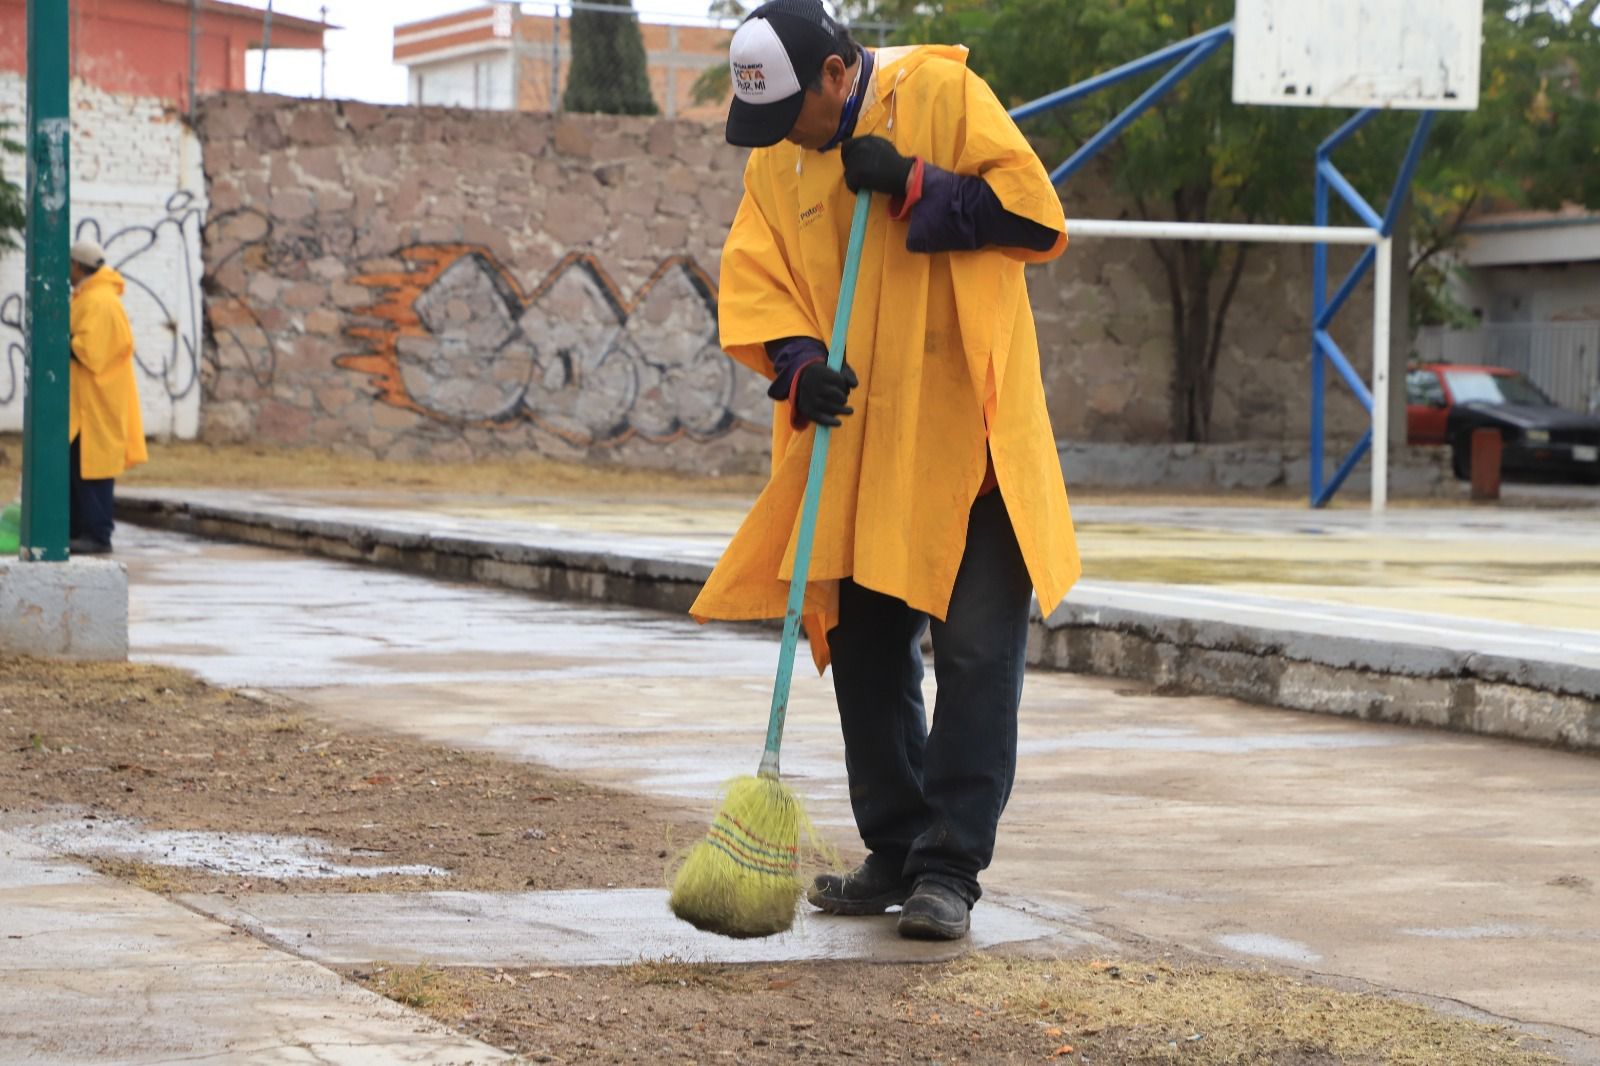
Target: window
1480	386
1423	388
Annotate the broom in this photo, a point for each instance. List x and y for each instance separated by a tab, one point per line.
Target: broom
743	878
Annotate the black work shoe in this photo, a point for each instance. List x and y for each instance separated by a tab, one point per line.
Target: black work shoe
88	546
864	890
935	912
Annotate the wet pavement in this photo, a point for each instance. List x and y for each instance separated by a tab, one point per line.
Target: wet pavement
1435	863
603	927
1536	568
93	970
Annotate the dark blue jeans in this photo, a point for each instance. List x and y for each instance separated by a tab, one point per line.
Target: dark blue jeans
929	802
91	504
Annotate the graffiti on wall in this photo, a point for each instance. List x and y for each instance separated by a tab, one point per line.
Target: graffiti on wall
460	342
159	291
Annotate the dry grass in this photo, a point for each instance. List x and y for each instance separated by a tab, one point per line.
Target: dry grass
1204	1016
420	986
144	875
247	466
672	972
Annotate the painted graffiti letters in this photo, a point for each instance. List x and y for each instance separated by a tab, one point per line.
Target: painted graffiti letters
460	343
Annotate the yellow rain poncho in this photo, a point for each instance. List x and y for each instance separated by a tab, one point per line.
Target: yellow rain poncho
105	398
944	348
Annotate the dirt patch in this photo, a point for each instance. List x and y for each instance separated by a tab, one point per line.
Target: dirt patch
979	1010
245	466
254	467
118	741
122	741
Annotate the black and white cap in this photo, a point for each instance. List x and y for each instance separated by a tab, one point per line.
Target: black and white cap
774	54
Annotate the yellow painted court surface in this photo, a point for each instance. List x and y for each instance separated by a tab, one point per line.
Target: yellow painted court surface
1537	568
1552	582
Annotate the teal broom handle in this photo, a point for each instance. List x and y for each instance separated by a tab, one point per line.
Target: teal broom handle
813	498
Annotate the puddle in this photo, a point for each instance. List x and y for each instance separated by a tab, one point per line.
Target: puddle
230	854
1473	932
1268	947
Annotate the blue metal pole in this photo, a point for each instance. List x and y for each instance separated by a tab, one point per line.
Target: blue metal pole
1343	133
1347	192
1408	169
1319	374
1089	86
1357	272
1334	354
1345	467
1090	148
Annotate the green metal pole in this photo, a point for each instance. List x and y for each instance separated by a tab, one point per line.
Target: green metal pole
48	320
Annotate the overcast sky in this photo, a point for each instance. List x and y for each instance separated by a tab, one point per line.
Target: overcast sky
359	63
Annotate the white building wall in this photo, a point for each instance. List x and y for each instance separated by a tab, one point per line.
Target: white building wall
139	189
482	80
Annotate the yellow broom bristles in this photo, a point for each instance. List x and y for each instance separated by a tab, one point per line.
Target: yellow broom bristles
743	878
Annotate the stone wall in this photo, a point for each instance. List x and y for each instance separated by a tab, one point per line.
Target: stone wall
1105	333
137	188
435	282
426	282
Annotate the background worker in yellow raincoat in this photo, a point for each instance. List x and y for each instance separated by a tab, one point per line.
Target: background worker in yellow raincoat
943	496
106	426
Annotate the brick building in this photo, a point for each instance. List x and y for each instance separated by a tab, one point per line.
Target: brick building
497	58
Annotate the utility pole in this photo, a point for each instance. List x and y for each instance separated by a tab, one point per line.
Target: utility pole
555	59
47	322
323	48
266	45
194	51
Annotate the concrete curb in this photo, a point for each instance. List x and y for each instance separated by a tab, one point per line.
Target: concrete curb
1378	680
1411	682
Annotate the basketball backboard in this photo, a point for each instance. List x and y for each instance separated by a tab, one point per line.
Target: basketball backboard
1414	54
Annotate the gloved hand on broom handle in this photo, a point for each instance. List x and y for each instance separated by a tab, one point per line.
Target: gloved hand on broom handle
822	394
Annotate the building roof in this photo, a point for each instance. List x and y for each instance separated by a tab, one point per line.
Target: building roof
221	7
1532	238
487	26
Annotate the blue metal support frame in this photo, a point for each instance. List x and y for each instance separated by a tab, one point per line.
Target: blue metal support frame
1323	310
1186	55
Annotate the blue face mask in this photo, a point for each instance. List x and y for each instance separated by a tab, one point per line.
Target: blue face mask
852	106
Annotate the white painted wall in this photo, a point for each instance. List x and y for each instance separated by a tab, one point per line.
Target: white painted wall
137	188
482	80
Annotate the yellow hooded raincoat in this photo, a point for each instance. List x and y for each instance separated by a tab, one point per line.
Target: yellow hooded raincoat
105	398
944	348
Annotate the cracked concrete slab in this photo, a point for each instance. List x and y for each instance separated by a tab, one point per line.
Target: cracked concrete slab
598	927
92	970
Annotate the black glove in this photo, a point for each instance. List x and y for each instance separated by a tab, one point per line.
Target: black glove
821	393
872	163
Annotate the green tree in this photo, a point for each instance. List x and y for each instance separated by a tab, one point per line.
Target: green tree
1534	141
1194	157
13	215
609	74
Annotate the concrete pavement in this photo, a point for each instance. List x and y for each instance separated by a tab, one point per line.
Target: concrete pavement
1447	865
1275	605
93	970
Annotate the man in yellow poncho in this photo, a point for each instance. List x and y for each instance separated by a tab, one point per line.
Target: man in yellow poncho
106	427
943	497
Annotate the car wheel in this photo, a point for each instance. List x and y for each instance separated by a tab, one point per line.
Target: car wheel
1461	458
